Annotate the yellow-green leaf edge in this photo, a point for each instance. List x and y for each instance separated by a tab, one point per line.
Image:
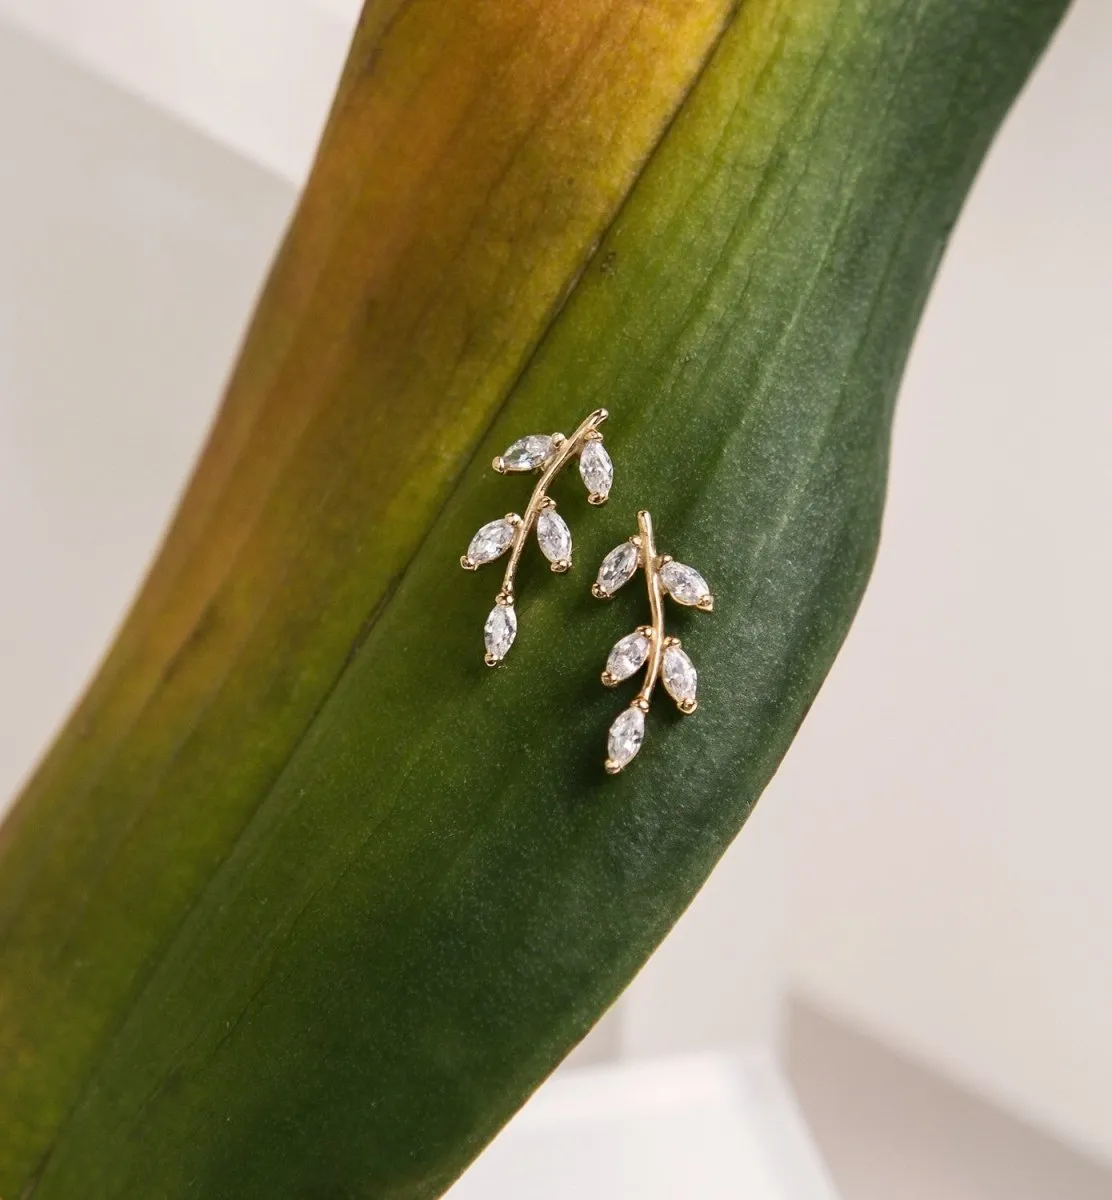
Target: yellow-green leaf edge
442	891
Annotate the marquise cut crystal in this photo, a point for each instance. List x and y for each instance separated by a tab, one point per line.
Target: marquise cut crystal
626	735
684	584
500	630
617	568
529	452
679	675
554	536
627	656
491	542
595	468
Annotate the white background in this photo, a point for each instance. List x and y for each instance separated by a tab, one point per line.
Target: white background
932	862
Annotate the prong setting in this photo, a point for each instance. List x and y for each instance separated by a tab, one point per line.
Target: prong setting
547	454
661	654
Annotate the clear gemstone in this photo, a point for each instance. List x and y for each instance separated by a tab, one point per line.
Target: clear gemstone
627	656
528	452
554	536
500	630
626	735
684	584
596	469
680	676
492	541
617	568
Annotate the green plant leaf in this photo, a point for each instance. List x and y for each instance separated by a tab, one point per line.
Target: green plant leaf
307	900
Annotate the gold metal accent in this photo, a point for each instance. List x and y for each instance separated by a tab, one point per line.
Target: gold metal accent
650	562
651	566
564	450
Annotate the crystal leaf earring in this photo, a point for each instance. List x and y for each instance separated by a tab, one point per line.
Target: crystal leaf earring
549	455
665	656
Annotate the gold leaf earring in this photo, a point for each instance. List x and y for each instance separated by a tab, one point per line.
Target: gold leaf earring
549	455
665	656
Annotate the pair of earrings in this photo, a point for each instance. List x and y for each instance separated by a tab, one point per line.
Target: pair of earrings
648	644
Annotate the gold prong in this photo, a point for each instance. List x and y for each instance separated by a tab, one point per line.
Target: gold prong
665	559
513	519
672	641
598	593
505	598
490	660
467	564
608	680
640	702
561	565
597	499
647	630
593	436
546	504
611	767
688	706
706	604
499	464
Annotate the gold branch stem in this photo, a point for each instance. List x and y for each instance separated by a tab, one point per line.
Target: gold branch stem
651	565
539	501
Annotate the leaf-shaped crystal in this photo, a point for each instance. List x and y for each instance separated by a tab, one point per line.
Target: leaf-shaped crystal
617	568
679	675
554	536
627	656
500	630
684	584
595	469
528	452
626	735
491	542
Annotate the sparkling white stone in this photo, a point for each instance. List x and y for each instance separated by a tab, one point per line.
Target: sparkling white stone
595	468
617	568
684	584
627	656
491	542
554	536
500	630
626	735
679	675
529	452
